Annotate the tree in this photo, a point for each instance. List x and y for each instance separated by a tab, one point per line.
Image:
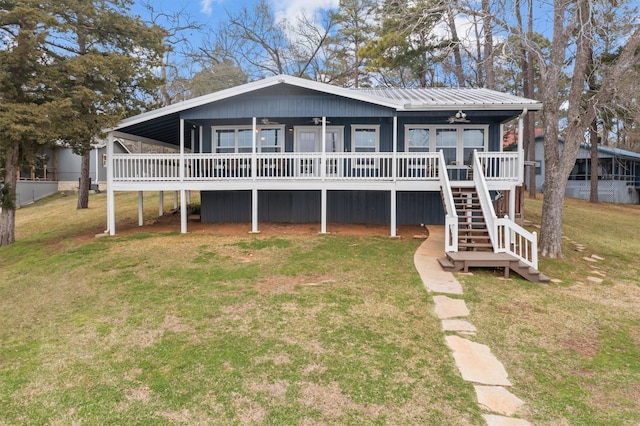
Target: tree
405	50
28	107
573	31
179	53
68	69
355	27
108	57
259	45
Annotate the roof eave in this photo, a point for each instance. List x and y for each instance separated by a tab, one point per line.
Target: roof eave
475	107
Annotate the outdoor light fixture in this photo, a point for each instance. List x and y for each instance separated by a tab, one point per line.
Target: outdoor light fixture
460	117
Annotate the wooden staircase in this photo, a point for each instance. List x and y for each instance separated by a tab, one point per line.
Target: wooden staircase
475	249
472	228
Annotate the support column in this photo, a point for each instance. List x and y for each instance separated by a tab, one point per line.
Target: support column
512	204
323	211
175	200
254	211
323	166
111	210
183	211
393	213
140	208
161	204
394	165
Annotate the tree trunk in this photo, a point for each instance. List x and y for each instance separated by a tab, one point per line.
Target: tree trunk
488	46
456	47
83	187
8	199
593	139
551	238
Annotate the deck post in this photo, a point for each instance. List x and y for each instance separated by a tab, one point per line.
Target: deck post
111	210
323	167
254	160
161	204
175	200
393	213
140	208
254	211
323	211
394	164
512	203
182	164
183	211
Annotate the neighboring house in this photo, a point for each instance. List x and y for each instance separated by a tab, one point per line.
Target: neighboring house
58	169
618	174
285	149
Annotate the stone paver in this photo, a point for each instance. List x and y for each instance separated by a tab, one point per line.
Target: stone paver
595	280
446	307
458	325
498	399
590	259
425	259
476	362
493	420
596	257
595	271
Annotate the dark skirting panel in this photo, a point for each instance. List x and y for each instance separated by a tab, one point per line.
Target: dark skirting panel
370	207
415	208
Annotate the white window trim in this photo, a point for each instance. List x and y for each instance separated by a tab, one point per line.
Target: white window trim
356	127
214	146
432	134
318	129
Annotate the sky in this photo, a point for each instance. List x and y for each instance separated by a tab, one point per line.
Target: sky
212	11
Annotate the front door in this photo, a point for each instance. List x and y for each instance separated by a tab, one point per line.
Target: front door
309	139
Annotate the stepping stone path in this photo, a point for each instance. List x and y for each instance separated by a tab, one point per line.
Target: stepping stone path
475	361
593	260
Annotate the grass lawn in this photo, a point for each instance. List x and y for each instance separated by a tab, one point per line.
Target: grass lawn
163	328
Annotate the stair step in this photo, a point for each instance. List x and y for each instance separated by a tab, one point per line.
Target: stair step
475	245
446	264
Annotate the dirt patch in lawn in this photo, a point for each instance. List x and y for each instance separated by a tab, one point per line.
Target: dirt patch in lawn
171	223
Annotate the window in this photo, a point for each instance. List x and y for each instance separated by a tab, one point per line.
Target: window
417	139
447	142
538	167
225	140
365	139
472	140
457	143
240	140
269	140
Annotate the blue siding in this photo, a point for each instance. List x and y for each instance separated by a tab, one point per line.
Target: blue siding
295	102
369	207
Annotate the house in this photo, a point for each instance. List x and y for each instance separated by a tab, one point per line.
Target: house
58	169
618	174
286	149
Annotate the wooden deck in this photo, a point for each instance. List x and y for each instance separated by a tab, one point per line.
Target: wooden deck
462	261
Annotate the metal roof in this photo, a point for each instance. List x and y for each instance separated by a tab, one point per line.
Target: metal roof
162	124
445	98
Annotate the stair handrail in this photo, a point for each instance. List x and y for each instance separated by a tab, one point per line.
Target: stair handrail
506	235
486	203
451	216
517	241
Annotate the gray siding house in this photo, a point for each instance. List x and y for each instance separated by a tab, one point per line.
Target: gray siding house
618	174
286	149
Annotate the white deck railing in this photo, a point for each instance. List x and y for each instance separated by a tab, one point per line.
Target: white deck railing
451	216
274	166
501	166
506	235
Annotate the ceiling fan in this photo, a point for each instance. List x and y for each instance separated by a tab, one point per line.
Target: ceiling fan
318	120
267	122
